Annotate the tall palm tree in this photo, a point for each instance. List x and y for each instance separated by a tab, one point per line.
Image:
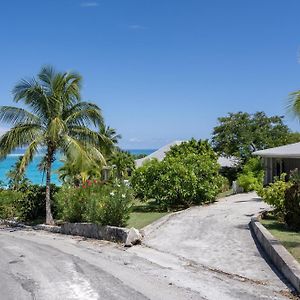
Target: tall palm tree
57	120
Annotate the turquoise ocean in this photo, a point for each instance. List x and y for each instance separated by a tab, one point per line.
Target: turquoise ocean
32	172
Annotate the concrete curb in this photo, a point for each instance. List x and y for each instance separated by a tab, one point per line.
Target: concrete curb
89	230
279	256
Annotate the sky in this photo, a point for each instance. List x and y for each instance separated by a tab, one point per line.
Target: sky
161	70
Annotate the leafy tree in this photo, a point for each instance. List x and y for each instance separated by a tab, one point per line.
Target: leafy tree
189	174
57	120
240	134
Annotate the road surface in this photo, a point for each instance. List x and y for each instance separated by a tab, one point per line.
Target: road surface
201	253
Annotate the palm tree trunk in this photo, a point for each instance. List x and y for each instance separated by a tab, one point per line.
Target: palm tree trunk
49	217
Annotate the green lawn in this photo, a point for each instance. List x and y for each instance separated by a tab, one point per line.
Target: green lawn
141	219
289	239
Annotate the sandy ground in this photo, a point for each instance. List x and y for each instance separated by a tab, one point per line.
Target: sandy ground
201	253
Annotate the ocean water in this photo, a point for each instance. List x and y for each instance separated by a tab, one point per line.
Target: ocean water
32	171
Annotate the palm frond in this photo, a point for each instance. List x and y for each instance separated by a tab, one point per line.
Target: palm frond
15	115
19	136
84	114
35	96
28	155
293	106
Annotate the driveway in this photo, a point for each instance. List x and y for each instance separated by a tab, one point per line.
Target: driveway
201	253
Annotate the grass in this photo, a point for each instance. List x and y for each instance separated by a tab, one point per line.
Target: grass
141	219
289	239
145	213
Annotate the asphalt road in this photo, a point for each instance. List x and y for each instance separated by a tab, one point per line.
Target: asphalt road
201	253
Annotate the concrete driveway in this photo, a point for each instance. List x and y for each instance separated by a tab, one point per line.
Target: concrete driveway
201	253
214	242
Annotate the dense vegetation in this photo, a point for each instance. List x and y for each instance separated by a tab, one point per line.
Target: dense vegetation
189	174
240	134
99	180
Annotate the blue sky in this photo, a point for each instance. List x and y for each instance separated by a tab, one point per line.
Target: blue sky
160	70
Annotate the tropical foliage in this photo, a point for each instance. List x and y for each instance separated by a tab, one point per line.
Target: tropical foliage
57	119
106	204
252	175
188	175
240	134
122	164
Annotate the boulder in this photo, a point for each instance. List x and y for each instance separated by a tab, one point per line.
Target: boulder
134	237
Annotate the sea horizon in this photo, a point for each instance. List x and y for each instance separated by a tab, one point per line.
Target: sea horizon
32	171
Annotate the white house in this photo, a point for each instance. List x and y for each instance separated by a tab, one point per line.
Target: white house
161	153
279	160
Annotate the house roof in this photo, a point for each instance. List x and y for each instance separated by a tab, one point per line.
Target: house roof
161	153
286	151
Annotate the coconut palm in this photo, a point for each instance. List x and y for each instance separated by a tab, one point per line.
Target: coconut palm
57	120
109	138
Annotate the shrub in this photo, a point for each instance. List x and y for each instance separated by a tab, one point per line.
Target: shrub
106	204
31	205
8	201
252	175
71	203
188	175
291	205
274	194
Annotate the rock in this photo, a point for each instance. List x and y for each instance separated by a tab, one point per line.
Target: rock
134	237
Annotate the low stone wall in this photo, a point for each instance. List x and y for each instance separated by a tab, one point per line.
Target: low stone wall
95	231
279	256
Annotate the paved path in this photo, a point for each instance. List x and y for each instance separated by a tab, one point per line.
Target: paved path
201	253
215	241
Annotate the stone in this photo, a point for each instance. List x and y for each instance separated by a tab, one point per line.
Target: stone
134	237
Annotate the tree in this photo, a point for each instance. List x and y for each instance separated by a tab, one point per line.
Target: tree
189	174
122	163
109	138
240	134
15	177
57	119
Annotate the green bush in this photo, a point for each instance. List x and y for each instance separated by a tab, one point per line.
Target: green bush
8	199
106	204
274	194
291	205
252	176
31	205
188	175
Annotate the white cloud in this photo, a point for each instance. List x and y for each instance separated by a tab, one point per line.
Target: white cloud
2	130
136	27
134	140
89	4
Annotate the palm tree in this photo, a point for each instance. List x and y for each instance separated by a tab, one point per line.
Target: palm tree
108	138
294	104
122	163
57	120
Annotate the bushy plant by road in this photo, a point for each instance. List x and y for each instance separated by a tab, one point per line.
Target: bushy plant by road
274	194
252	175
8	199
27	202
106	204
189	174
